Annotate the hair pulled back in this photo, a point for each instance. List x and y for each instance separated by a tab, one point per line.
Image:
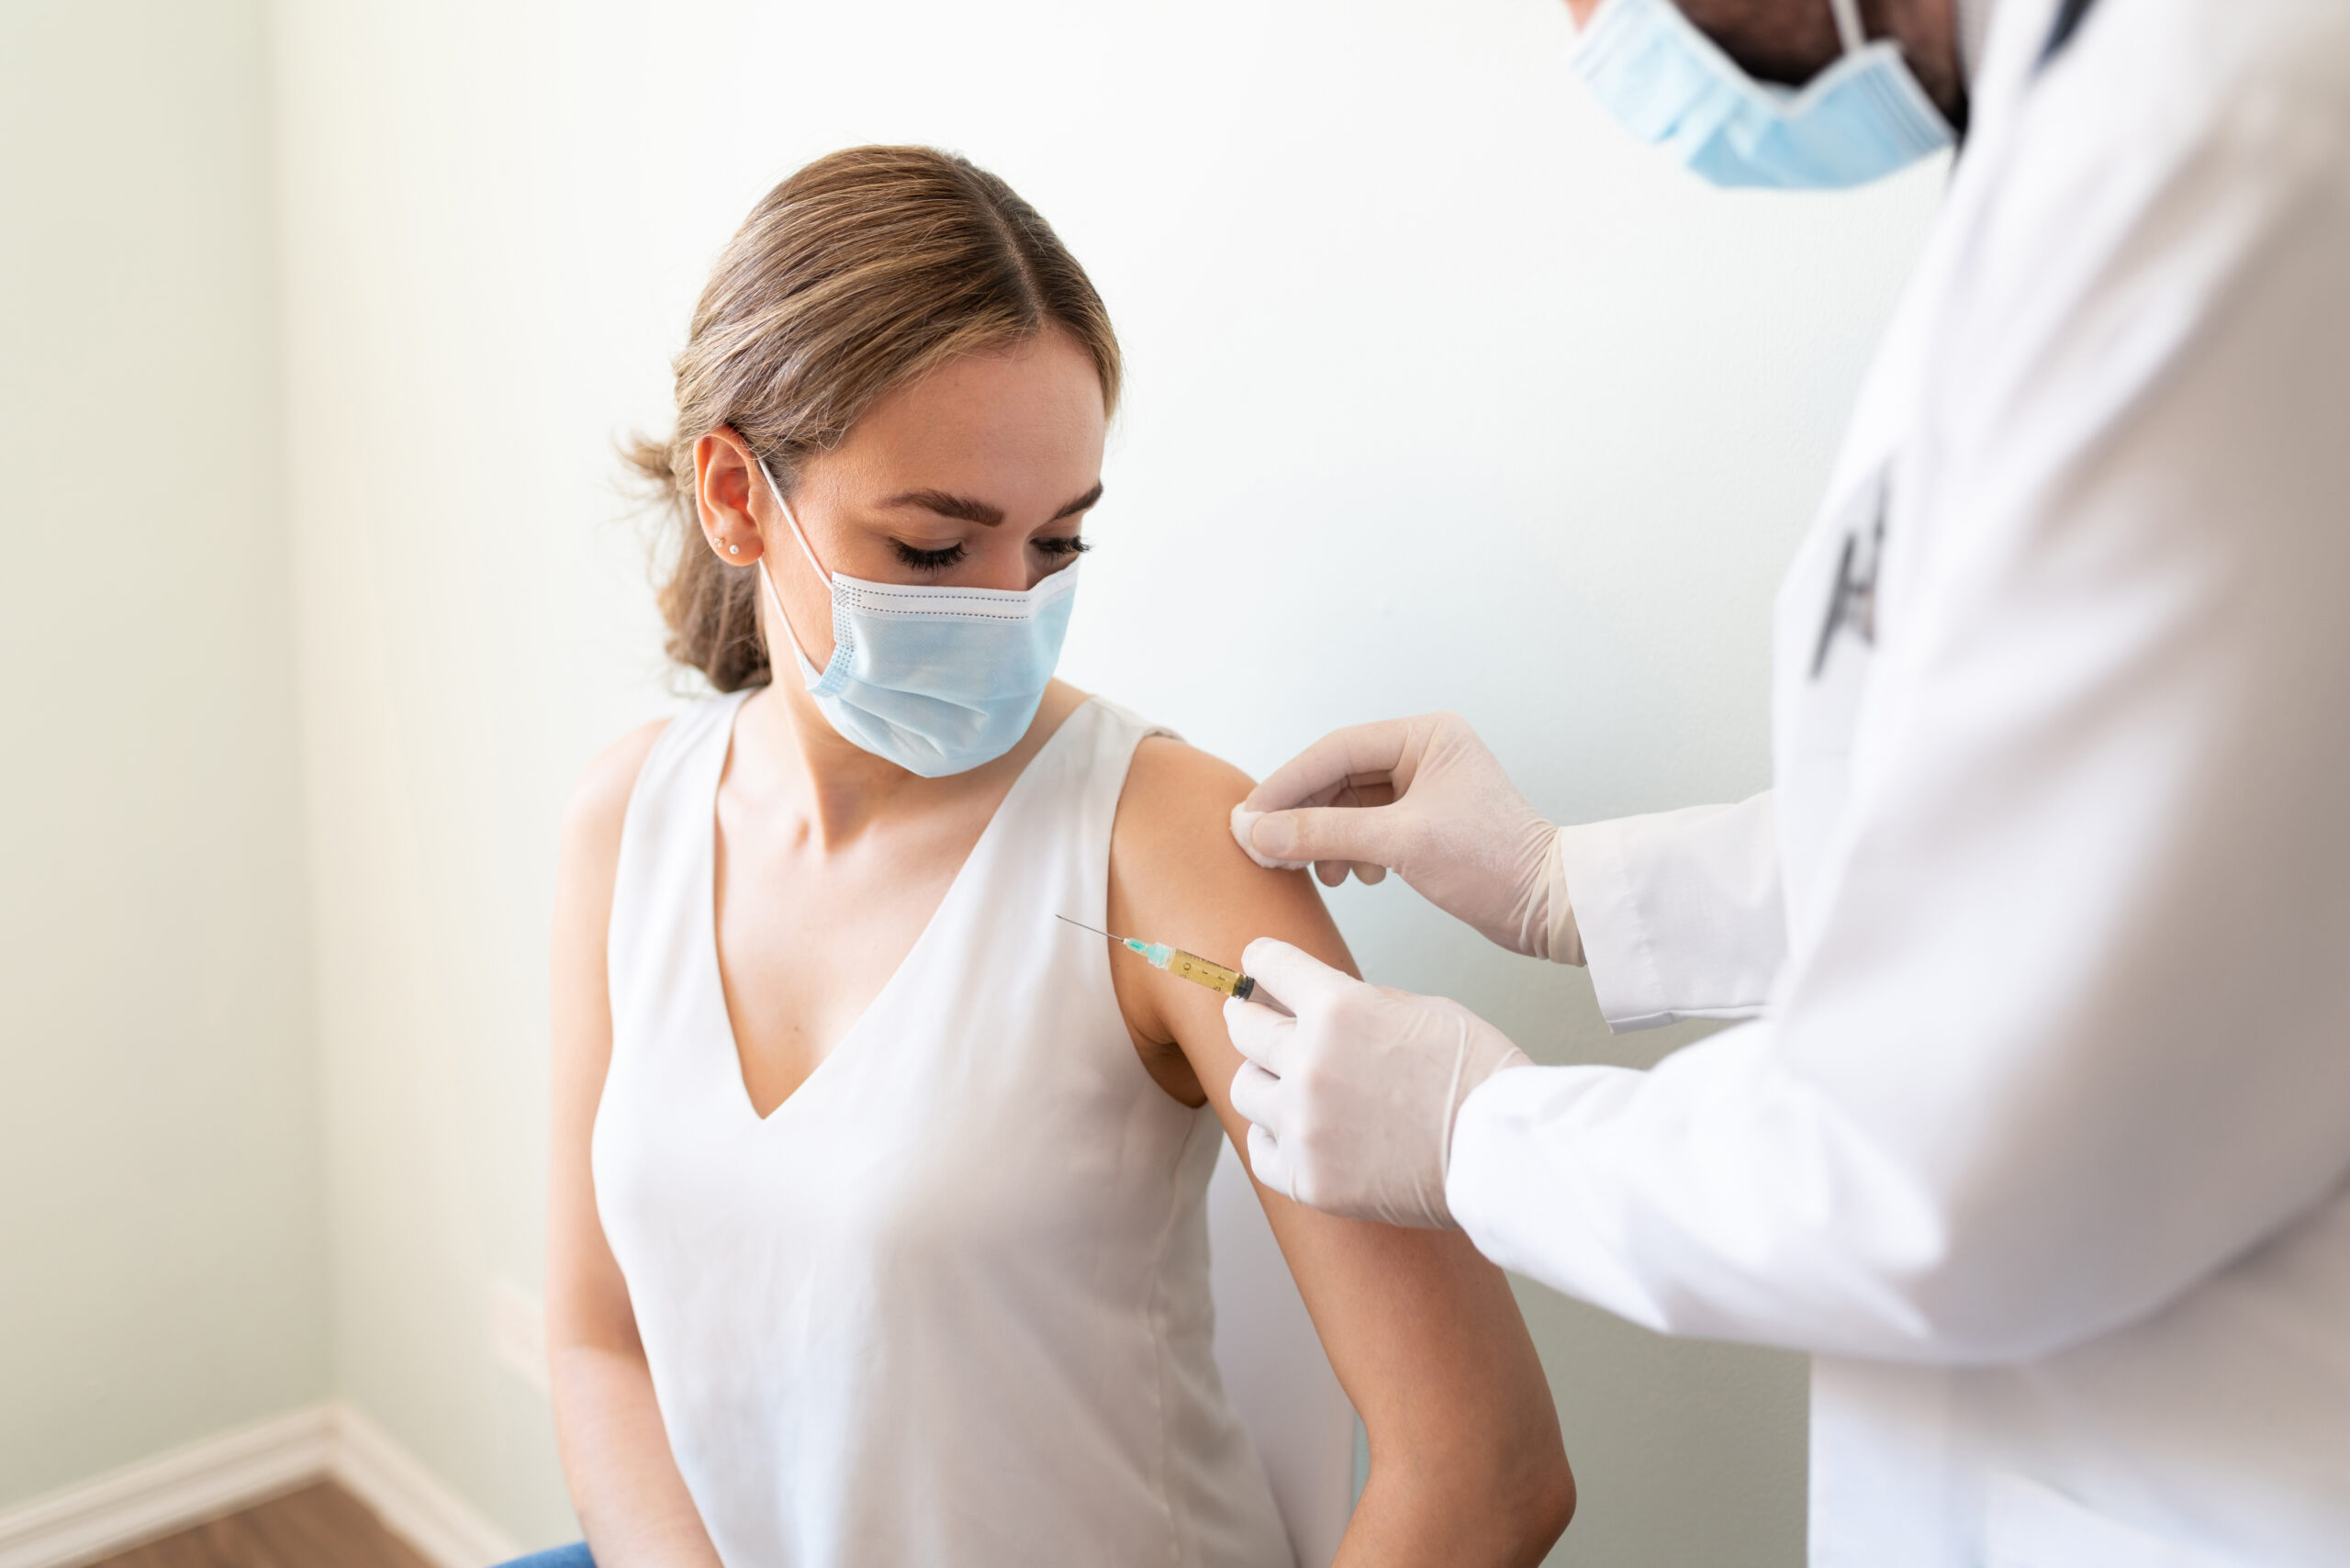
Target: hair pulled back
865	270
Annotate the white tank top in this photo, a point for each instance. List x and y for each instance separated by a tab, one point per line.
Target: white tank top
948	1304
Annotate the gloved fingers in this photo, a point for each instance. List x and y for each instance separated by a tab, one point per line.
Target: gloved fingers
1256	1096
1369	875
1269	1164
1359	752
1259	1033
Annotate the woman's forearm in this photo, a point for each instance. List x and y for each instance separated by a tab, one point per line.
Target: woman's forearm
623	1479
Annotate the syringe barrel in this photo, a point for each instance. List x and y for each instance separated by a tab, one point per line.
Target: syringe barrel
1204	971
1216	977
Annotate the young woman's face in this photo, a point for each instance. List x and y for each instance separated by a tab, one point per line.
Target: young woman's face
979	476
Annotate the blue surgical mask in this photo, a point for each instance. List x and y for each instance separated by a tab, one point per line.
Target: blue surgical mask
937	680
1670	85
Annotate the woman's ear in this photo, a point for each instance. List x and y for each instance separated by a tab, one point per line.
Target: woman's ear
725	478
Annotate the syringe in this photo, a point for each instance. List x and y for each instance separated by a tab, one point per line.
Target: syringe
1190	966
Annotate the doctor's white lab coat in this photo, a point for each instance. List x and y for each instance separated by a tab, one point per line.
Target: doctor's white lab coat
2039	1137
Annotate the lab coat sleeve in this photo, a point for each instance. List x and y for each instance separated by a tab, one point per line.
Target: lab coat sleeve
2067	1027
1679	912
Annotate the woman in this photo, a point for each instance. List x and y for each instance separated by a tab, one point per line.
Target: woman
876	1223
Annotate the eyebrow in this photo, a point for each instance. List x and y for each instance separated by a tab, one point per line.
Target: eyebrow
981	512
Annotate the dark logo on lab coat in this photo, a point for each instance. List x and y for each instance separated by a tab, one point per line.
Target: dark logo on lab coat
1852	603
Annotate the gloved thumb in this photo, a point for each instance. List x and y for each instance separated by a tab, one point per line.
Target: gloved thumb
1367	835
1296	976
1244	828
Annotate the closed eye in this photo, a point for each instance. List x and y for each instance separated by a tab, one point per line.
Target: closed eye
928	560
1066	544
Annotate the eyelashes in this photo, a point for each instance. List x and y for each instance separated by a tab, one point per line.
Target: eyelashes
1063	548
928	560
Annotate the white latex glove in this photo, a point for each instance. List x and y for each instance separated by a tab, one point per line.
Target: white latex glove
1352	1102
1423	798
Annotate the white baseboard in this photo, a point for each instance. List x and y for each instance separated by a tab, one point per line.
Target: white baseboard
238	1468
170	1492
414	1503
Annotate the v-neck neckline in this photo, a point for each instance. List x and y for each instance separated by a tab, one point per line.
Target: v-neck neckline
714	970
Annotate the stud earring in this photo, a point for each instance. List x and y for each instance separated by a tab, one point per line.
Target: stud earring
733	549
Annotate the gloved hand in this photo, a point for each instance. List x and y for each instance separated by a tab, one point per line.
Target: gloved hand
1422	797
1352	1102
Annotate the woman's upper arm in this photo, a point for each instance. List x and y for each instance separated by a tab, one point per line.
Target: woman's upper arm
1422	1332
587	1299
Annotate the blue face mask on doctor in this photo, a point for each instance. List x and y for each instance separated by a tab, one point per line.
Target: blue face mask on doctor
937	680
1863	117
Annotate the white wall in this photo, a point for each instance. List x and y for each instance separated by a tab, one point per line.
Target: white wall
1442	394
162	1256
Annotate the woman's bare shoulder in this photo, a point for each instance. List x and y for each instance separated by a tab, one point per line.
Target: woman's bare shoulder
1175	863
598	803
1177	807
1168	770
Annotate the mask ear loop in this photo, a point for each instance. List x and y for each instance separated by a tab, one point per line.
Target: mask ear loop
1849	30
766	578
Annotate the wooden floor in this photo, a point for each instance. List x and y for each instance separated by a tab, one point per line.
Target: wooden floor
318	1527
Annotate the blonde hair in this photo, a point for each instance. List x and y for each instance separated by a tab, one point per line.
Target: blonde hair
863	271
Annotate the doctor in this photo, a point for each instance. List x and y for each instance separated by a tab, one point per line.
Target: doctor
2036	1132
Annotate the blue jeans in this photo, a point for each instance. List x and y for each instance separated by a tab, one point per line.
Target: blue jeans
572	1556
